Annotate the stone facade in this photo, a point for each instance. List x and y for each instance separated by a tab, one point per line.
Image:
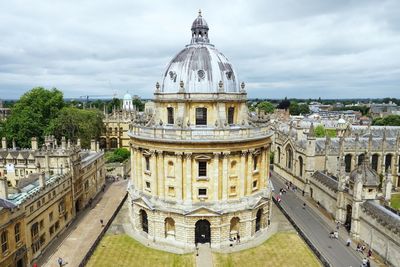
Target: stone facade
200	164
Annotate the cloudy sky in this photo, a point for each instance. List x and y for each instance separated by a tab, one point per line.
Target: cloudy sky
294	48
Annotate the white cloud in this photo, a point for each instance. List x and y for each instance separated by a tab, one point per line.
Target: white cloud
288	48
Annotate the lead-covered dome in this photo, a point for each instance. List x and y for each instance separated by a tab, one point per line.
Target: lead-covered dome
200	67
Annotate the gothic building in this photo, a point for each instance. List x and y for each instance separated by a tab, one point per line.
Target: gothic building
200	164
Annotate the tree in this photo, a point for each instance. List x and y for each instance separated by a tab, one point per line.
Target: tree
138	103
114	103
31	114
74	123
284	104
296	109
320	131
118	155
266	106
390	120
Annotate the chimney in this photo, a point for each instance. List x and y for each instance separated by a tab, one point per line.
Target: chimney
34	143
3	188
93	145
42	180
14	145
63	143
4	143
69	144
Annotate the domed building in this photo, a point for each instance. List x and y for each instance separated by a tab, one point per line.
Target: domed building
200	162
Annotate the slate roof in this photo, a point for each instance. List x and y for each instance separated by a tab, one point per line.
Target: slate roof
383	215
369	176
326	180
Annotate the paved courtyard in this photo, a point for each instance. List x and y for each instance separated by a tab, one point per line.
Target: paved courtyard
73	245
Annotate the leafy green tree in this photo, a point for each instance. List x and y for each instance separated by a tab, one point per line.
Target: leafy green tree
115	102
297	109
320	131
74	123
118	155
31	114
266	106
138	103
390	120
284	104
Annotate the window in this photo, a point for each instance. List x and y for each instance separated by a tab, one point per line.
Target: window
202	168
34	230
171	191
170	112
61	207
255	163
87	185
147	163
4	241
233	190
202	192
254	184
147	184
17	232
51	216
51	230
31	208
201	116
57	225
41	224
231	112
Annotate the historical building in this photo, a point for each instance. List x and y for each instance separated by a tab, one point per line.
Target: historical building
350	176
200	164
43	190
4	112
116	125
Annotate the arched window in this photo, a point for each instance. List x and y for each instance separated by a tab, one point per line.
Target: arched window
388	162
113	143
145	223
233	167
171	169
347	162
374	162
235	227
361	159
279	154
289	157
300	166
169	227
17	232
4	241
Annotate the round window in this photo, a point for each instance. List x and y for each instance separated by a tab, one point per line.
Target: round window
201	74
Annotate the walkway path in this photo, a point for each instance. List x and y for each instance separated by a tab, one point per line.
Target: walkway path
204	259
81	235
317	229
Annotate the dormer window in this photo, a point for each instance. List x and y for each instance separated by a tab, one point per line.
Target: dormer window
201	116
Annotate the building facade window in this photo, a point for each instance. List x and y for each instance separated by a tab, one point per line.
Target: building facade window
202	168
201	116
202	192
231	113
347	162
255	163
147	163
4	241
17	232
170	112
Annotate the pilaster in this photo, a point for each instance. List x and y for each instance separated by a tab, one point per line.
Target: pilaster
225	175
160	172
188	182
243	173
178	175
216	175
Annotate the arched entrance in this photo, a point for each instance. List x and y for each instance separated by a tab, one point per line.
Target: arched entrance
203	232
145	223
347	223
258	220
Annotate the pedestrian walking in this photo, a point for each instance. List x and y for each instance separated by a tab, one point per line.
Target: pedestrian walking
369	254
238	238
304	205
348	242
368	263
101	222
336	234
364	262
60	261
303	193
337	225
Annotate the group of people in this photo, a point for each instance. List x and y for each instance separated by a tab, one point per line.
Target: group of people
235	239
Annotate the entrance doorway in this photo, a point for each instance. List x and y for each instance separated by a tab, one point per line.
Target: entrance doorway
203	232
145	223
258	220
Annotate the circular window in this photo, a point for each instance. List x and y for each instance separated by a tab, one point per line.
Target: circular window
201	74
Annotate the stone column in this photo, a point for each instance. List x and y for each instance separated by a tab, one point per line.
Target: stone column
160	173
225	176
153	172
216	175
250	171
243	173
178	175
263	167
188	178
133	166
140	163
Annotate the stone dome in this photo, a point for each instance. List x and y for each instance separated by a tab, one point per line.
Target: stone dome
200	67
127	96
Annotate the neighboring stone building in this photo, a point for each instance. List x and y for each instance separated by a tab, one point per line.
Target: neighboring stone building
4	112
53	184
200	164
350	177
116	126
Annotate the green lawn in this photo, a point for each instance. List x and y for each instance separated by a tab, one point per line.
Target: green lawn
282	249
395	201
124	251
